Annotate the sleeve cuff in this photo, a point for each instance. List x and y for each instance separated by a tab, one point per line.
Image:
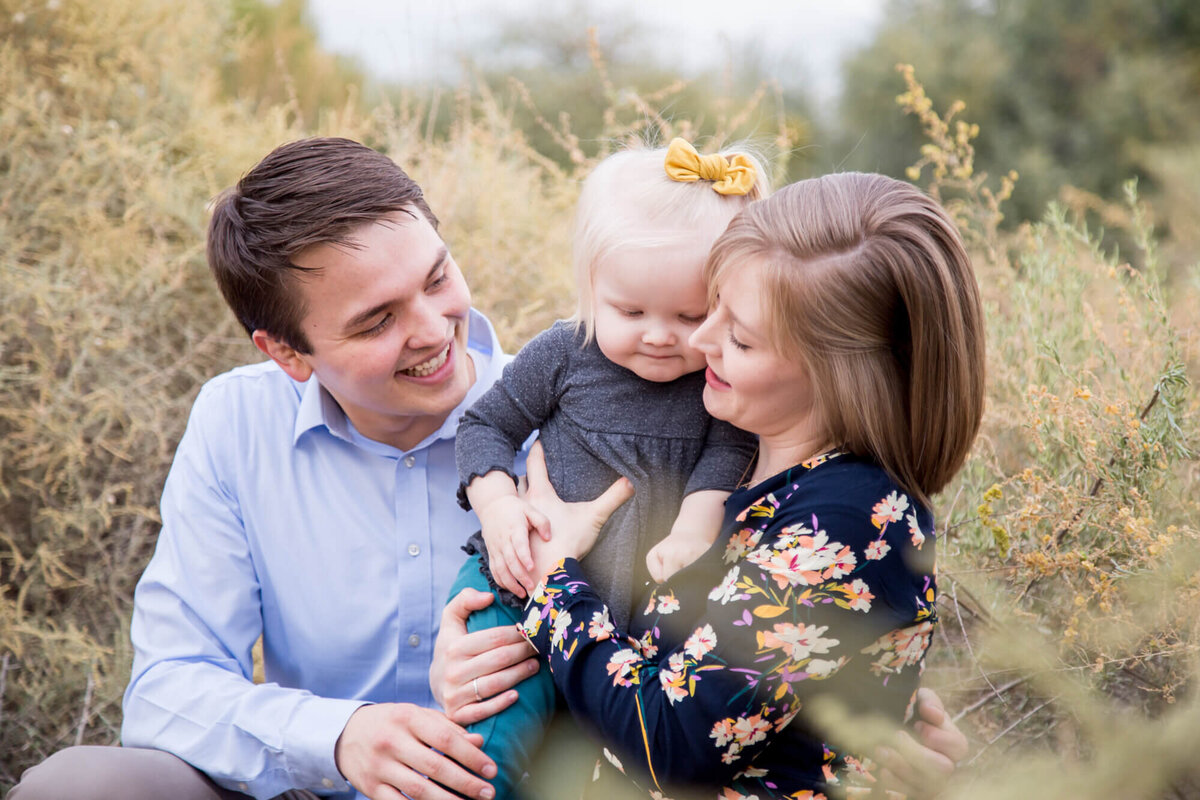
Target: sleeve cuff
547	614
310	738
461	494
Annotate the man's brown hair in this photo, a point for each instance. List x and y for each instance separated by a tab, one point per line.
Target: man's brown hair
867	282
304	193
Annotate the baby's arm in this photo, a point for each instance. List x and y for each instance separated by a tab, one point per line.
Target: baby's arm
506	521
723	463
694	531
491	432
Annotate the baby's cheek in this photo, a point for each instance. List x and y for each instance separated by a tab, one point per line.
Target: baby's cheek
693	358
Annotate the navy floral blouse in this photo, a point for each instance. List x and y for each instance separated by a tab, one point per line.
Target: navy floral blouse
821	583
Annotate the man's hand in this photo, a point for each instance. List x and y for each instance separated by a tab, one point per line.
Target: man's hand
491	661
507	523
574	526
393	748
922	769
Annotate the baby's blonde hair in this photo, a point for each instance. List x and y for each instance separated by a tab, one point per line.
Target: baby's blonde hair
629	202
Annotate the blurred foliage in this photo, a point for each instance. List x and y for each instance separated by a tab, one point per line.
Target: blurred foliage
1068	556
577	92
1070	93
272	58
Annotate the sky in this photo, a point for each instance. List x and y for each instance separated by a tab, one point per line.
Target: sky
800	42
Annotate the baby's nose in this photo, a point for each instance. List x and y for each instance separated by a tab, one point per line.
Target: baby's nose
658	335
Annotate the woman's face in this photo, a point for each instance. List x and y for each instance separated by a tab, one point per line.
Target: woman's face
749	383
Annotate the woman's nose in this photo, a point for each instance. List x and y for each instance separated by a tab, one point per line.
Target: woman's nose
701	338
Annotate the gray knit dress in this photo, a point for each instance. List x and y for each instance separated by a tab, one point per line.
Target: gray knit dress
598	421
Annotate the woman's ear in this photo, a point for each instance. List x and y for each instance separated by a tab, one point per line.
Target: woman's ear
289	360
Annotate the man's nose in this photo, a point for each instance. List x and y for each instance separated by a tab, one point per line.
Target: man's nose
427	326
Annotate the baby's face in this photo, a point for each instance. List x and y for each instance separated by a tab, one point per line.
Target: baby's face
646	303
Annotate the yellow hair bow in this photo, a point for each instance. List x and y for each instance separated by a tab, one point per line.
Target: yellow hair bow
734	175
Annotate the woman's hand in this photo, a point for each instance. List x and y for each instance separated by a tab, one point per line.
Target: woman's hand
922	769
573	526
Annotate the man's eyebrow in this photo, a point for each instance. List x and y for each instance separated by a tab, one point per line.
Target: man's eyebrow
363	317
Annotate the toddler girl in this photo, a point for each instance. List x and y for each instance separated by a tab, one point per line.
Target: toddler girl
616	392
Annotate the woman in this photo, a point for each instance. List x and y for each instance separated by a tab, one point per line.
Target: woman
845	331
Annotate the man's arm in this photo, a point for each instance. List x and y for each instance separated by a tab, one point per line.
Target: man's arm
197	613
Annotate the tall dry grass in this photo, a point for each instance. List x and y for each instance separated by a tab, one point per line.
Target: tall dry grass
1068	543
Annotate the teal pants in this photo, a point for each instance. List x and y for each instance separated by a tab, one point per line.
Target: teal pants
512	737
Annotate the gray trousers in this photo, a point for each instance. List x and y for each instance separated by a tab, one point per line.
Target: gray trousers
131	773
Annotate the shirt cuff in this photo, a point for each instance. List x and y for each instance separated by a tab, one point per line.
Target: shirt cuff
545	608
310	738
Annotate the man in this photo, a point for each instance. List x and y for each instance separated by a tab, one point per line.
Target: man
312	503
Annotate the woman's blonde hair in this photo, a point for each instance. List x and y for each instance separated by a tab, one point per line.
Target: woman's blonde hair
867	281
629	202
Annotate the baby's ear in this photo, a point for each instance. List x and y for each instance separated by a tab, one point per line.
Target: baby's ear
289	360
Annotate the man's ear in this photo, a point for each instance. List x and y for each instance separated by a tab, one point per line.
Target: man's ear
290	361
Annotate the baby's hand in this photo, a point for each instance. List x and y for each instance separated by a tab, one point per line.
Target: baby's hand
673	554
694	531
507	523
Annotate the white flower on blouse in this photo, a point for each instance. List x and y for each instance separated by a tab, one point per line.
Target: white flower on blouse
559	629
809	561
668	603
750	730
674	682
914	530
727	589
533	622
741	543
700	642
799	641
877	550
860	595
889	509
601	626
823	668
616	762
620	666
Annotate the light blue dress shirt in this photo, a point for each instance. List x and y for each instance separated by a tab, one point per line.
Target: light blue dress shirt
280	519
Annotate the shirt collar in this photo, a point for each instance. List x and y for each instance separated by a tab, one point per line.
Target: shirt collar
319	409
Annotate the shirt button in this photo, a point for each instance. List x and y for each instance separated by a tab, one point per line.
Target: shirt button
414	549
328	784
243	787
414	641
409	461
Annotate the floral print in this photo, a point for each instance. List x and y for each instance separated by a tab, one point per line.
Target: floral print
824	586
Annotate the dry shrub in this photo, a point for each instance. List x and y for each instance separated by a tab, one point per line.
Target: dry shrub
1069	554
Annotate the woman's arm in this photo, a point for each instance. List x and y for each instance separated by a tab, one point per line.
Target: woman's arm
793	609
473	673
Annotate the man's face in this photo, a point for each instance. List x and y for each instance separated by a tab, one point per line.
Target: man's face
387	325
